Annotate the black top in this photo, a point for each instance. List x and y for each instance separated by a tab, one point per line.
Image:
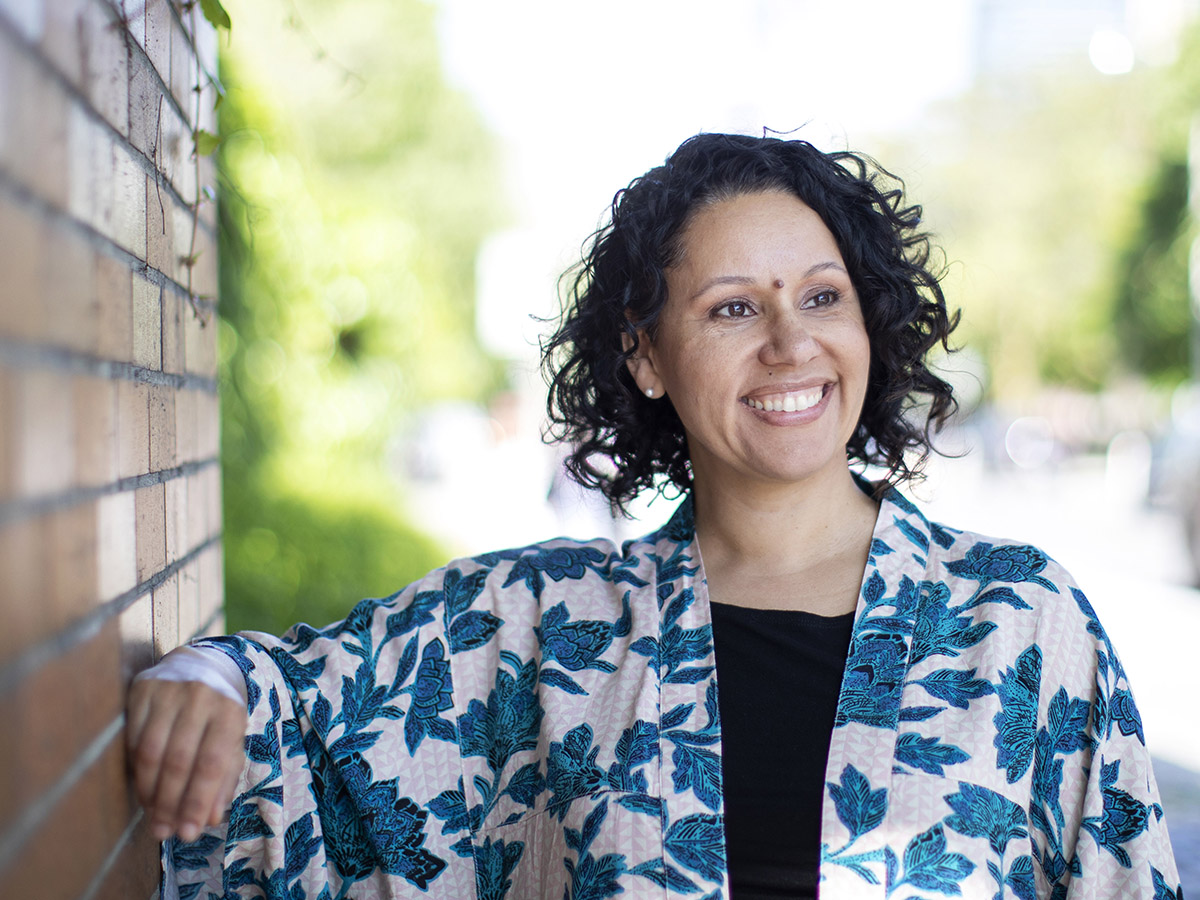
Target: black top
778	675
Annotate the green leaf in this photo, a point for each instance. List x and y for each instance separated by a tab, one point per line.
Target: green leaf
215	13
206	141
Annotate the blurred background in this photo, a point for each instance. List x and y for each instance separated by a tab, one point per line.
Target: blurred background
403	181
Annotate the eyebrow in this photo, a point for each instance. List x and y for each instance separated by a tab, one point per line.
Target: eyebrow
747	280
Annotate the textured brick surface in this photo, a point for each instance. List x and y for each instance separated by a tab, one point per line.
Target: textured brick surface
105	393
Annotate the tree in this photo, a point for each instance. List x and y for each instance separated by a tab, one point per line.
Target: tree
357	187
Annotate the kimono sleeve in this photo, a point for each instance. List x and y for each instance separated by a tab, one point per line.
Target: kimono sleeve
1102	822
351	744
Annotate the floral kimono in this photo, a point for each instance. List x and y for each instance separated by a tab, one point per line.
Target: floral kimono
542	723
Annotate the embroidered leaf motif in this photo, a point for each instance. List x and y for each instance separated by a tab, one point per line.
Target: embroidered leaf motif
858	807
927	754
697	842
1016	723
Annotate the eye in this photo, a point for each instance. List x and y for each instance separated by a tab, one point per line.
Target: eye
823	297
733	309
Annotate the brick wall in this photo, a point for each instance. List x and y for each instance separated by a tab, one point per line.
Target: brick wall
110	512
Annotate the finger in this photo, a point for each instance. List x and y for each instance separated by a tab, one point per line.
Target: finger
178	761
228	792
218	753
150	745
137	708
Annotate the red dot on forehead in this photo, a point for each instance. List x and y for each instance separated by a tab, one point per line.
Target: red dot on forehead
778	284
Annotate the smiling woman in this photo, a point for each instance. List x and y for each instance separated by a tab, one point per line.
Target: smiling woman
900	704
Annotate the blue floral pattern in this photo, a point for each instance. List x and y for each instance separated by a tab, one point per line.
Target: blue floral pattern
542	722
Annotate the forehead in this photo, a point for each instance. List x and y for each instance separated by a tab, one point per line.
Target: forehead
762	227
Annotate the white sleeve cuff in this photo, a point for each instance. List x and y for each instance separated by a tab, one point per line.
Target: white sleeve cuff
206	665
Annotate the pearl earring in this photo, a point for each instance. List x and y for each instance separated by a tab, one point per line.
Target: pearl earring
649	392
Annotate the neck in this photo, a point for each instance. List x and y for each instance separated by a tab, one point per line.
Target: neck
779	530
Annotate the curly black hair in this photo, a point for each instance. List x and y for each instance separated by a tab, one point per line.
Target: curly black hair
621	440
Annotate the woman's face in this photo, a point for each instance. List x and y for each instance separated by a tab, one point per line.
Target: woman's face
761	345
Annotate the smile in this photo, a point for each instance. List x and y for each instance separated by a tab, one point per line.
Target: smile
791	401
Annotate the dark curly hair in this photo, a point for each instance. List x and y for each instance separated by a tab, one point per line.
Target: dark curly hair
621	440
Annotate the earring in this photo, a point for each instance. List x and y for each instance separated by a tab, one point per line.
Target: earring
649	392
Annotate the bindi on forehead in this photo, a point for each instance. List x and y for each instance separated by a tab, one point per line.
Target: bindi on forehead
778	284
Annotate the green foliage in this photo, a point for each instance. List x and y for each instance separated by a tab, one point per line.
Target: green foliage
353	205
1063	195
216	14
1151	306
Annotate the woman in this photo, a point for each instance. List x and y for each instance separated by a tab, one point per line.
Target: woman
903	707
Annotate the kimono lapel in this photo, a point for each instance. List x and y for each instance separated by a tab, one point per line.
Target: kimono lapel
860	770
689	728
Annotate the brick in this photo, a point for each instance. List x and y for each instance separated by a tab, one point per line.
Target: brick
197	509
125	220
133	428
45	461
145	103
186	443
162	428
89	820
136	627
208	426
21	316
185	247
67	289
166	616
183	68
116	549
24	562
114	302
177	519
172	339
189	601
27	16
159	23
82	136
38	117
106	66
72	538
212	587
147	324
62	42
96	445
200	341
151	510
8	435
160	240
174	155
57	713
134	873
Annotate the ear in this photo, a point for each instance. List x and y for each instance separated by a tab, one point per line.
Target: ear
641	364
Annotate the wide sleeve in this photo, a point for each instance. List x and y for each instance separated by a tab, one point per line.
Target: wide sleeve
352	763
1098	822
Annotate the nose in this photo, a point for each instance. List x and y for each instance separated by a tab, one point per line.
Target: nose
788	341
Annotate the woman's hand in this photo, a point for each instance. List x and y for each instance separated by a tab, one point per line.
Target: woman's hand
185	744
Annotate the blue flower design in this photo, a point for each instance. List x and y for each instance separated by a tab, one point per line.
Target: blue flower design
873	680
432	692
510	721
858	807
1013	564
983	813
1016	723
494	863
1123	819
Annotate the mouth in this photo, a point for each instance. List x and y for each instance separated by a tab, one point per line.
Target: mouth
787	401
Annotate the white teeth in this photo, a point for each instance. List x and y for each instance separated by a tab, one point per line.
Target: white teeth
789	402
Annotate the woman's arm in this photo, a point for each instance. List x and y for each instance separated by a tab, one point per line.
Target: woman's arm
185	742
